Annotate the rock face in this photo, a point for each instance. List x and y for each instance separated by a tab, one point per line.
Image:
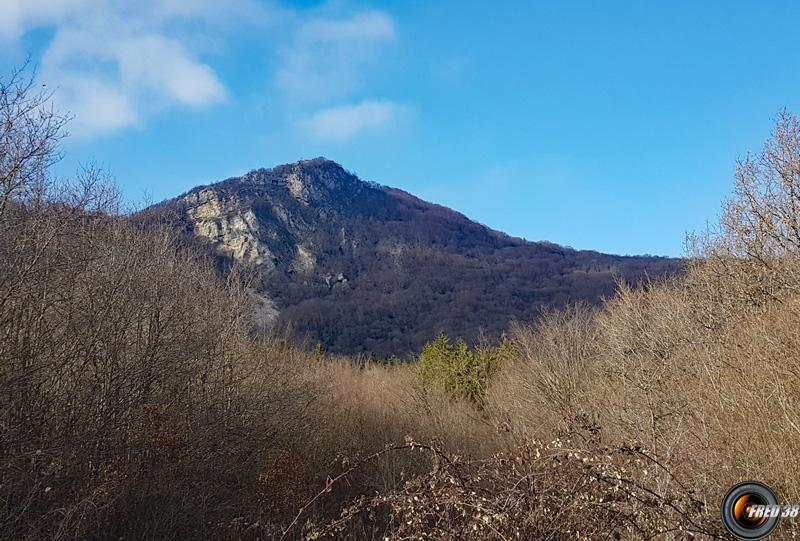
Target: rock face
363	268
232	229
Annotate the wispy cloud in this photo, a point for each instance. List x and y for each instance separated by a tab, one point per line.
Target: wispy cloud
115	64
342	123
325	72
112	63
327	58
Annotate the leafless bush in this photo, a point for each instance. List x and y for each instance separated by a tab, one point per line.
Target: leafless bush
131	402
538	491
542	387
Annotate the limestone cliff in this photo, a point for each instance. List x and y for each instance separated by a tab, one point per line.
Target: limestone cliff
360	267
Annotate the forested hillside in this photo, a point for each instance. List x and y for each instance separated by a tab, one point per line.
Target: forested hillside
362	268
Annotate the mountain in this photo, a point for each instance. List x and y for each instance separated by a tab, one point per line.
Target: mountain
363	268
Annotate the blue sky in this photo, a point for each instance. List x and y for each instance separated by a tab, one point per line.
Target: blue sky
611	126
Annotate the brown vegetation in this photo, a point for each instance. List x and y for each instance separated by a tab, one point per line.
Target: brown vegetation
134	402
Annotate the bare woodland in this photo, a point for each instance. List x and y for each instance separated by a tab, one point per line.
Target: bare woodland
136	403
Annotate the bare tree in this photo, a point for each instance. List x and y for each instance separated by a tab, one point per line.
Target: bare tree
125	373
762	220
753	256
30	136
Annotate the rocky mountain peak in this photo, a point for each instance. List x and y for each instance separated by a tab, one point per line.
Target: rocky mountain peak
304	178
360	267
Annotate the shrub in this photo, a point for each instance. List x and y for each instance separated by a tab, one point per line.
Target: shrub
460	371
535	491
554	364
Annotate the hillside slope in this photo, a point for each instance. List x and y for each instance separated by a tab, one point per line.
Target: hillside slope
363	268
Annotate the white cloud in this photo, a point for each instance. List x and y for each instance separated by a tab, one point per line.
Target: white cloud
372	26
328	56
175	73
103	107
116	63
17	16
340	124
330	60
113	63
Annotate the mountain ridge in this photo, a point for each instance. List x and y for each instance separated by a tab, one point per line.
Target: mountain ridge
360	267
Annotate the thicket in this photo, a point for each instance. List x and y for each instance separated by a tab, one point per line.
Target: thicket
460	371
132	403
135	402
631	420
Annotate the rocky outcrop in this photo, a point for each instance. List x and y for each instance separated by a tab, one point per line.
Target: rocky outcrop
229	225
363	268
